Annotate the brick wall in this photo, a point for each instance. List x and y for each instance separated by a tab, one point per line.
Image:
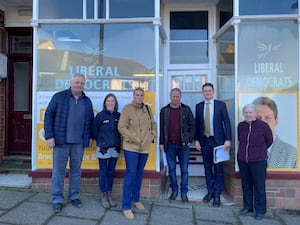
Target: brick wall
151	186
282	192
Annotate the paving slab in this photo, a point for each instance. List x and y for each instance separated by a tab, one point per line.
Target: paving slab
215	214
11	198
28	213
172	215
67	221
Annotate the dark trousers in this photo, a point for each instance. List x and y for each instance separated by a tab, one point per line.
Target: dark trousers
253	178
213	172
183	155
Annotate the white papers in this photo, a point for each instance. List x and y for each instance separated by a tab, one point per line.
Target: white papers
164	158
220	154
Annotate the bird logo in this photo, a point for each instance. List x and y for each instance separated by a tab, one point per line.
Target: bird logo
266	49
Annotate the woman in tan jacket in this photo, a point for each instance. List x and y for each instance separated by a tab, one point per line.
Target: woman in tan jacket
138	130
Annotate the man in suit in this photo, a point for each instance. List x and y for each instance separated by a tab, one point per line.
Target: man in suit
212	128
280	154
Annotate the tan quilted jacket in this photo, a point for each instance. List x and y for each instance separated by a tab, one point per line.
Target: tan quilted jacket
137	128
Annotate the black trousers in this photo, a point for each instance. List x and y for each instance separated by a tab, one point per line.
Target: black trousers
253	178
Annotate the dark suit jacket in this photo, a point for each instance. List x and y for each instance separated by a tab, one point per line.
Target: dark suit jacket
221	123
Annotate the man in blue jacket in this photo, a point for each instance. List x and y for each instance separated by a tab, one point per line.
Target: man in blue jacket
209	133
68	130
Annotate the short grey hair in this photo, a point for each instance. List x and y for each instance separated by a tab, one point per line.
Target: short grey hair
251	106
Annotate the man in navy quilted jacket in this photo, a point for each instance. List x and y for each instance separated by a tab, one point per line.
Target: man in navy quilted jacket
68	130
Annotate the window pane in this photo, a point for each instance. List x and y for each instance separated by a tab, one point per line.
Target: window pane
60	9
101	9
224	11
188	52
189	37
259	7
21	44
110	56
226	47
131	8
268	56
21	94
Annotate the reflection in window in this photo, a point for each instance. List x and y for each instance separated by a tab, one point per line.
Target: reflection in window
189	37
113	56
259	7
60	9
226	47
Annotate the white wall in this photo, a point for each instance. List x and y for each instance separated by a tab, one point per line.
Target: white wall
13	19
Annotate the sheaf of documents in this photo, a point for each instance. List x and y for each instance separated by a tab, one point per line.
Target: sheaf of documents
220	154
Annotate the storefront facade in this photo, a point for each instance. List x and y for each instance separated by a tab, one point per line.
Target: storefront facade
246	50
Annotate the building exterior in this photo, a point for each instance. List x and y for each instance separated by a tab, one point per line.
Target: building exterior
247	49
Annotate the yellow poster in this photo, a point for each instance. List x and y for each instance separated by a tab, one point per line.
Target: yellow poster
90	161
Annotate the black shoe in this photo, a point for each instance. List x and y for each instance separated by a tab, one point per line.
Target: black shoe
77	203
57	207
208	197
245	211
217	201
184	198
259	216
173	196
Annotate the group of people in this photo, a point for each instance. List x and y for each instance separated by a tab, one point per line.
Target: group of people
70	126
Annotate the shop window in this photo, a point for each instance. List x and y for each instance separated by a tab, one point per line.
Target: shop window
189	37
259	7
268	75
110	56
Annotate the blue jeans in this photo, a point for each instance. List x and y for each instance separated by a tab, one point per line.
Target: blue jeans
135	164
213	172
183	154
106	173
61	154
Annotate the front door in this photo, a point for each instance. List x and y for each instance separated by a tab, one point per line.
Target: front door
19	93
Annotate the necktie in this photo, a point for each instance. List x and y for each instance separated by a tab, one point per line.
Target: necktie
207	121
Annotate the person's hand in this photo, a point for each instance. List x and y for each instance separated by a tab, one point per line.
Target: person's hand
227	145
161	148
50	142
197	146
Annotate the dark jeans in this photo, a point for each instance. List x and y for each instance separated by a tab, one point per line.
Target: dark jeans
135	164
183	154
106	173
253	178
213	172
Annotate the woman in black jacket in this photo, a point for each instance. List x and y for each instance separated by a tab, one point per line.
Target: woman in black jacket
255	137
105	131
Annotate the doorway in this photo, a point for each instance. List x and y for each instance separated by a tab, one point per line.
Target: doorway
19	89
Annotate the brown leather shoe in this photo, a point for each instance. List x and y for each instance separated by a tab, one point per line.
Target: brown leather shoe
128	214
139	206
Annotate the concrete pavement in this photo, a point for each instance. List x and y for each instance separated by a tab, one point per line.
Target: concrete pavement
25	206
